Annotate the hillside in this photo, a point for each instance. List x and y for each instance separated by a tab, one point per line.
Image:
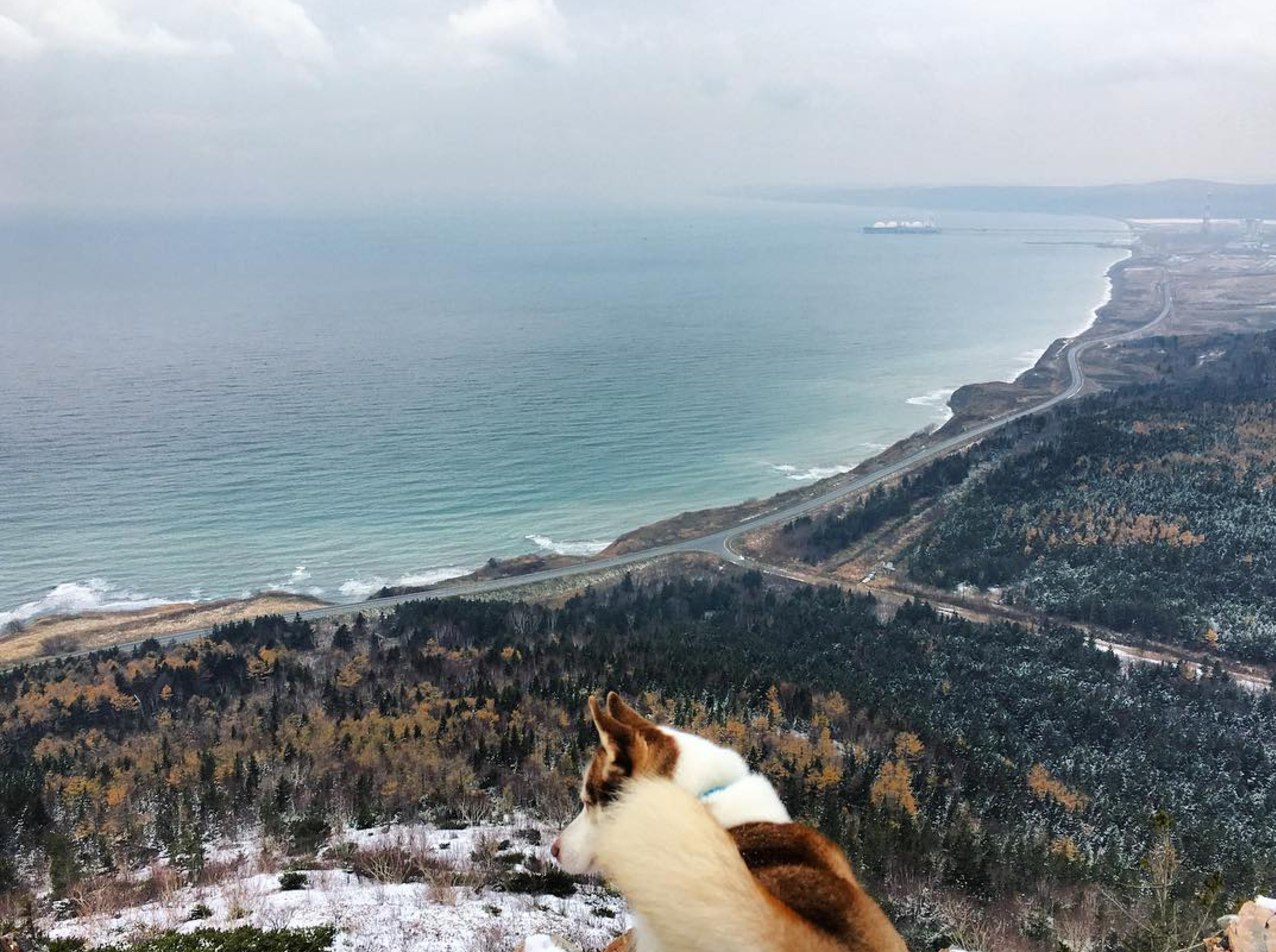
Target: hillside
980	776
1150	514
1147	510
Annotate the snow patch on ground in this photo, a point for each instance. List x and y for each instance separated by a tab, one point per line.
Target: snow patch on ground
372	916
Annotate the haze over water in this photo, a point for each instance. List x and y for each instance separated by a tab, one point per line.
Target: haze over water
213	408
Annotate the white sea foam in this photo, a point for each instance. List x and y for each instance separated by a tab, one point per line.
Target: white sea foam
1026	361
1103	301
91	595
936	399
358	588
361	588
292	583
577	547
814	472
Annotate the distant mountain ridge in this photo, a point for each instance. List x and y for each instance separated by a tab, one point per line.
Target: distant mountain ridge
1175	198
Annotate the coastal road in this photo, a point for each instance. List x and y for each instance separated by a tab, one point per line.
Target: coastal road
720	543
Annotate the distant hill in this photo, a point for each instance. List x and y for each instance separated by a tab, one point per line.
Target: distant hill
1177	198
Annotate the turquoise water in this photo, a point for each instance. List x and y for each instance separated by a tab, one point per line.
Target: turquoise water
213	408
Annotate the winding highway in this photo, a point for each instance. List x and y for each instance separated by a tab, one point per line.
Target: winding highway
720	543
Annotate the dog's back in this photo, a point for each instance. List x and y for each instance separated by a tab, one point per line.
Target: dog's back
761	887
811	876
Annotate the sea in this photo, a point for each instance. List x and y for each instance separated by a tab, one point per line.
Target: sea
195	409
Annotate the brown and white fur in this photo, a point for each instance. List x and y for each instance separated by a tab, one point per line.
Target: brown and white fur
726	871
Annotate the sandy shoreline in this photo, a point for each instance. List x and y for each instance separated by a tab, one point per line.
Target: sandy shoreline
63	634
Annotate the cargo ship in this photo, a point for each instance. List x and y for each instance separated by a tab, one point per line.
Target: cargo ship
926	227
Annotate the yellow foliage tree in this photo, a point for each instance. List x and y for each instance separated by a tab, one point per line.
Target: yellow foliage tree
908	745
774	709
262	664
893	788
351	673
1046	787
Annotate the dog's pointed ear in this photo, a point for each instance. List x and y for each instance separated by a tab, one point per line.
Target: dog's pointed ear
612	734
625	714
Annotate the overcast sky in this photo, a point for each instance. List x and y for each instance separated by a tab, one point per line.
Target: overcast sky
313	104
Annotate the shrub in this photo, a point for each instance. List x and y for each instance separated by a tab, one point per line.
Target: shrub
551	881
64	867
308	833
200	911
292	879
55	644
67	945
1038	925
411	863
485	849
241	939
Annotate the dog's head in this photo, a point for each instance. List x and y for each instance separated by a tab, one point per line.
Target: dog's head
629	746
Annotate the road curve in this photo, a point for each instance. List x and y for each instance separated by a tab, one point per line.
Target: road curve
720	543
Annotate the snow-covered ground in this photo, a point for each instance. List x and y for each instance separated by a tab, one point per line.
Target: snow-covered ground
375	914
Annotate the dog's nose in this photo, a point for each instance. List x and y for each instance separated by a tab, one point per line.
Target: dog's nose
553	850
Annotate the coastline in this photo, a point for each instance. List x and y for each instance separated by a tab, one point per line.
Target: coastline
979	402
68	633
966	405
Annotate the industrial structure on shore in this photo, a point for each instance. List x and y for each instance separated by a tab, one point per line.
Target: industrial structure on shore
927	227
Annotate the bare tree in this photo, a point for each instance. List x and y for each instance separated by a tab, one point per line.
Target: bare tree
1163	919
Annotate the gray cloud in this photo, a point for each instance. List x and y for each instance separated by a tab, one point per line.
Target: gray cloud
224	104
526	30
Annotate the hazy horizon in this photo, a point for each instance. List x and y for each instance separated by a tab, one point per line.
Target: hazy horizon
306	105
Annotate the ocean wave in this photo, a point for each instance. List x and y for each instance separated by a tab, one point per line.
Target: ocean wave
73	598
360	588
292	584
578	547
1026	361
815	472
936	398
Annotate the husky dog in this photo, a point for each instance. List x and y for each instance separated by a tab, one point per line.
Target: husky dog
705	853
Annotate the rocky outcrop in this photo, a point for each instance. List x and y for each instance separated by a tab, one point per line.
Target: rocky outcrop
548	943
20	943
556	943
1253	929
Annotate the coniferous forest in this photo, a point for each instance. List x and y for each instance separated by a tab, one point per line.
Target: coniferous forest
1148	510
1022	774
